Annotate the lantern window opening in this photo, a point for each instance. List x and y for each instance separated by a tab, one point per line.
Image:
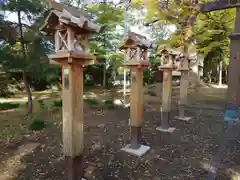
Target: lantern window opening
133	53
143	51
77	46
63	40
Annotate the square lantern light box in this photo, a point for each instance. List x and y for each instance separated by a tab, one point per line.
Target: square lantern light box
136	49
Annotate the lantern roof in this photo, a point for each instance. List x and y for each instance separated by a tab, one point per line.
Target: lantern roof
133	40
172	52
68	16
168	51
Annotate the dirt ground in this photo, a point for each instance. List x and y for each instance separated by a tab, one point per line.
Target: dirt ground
182	155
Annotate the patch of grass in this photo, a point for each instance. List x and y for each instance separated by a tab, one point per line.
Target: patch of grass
37	125
58	103
6	106
12	125
41	103
109	104
92	102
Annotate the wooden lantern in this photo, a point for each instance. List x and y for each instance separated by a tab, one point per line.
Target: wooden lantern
71	30
136	54
167	65
167	58
184	63
136	50
184	84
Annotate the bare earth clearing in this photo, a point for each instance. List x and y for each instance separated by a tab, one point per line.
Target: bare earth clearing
181	155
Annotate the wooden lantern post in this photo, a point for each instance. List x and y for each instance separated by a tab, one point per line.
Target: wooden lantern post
233	97
184	84
167	66
136	52
71	31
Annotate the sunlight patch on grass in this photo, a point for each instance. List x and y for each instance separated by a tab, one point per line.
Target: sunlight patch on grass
13	126
90	95
235	174
235	177
208	167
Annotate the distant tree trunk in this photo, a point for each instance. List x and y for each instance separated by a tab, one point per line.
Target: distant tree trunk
25	75
220	73
209	76
226	75
194	74
104	76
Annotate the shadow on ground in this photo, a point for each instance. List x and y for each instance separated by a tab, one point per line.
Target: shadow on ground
177	156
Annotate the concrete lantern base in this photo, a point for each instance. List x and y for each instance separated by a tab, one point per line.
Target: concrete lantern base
184	118
166	130
142	150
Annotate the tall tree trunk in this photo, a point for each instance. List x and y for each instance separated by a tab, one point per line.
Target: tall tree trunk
25	75
104	76
209	74
220	73
226	75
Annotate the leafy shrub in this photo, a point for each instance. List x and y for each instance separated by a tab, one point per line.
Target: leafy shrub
92	101
41	103
109	104
37	125
6	106
58	103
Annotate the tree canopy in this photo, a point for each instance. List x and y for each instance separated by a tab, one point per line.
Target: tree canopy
179	24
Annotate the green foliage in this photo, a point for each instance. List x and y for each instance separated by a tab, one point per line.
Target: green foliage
207	34
41	103
196	32
211	33
41	75
109	104
6	106
37	125
5	89
105	45
57	103
146	76
92	102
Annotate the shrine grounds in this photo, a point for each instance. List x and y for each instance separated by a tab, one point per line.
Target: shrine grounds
183	155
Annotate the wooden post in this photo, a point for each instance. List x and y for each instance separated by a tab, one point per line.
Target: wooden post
136	113
184	84
73	123
136	106
233	97
166	97
166	100
167	65
136	62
